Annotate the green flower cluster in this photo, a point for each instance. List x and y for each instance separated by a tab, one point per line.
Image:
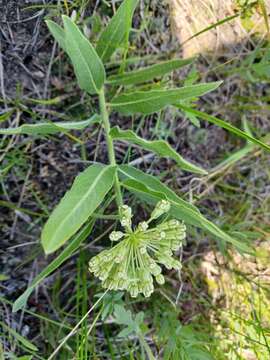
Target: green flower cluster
135	260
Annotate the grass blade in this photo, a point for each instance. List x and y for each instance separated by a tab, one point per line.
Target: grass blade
212	26
19	337
225	125
55	264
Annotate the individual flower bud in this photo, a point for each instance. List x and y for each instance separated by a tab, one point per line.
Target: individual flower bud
173	223
103	275
161	208
118	259
133	289
125	211
107	283
166	261
143	226
94	264
147	293
162	235
160	279
145	276
125	216
148	289
125	222
176	264
143	250
121	275
155	270
116	235
122	284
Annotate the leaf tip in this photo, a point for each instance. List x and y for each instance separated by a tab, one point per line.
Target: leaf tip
219	82
17	305
204	172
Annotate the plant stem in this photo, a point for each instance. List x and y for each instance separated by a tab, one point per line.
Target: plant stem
109	140
146	348
76	327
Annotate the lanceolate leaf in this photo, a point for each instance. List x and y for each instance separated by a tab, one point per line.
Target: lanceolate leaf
130	172
159	147
148	73
65	254
225	125
49	127
147	102
87	64
78	204
117	30
58	33
153	190
19	337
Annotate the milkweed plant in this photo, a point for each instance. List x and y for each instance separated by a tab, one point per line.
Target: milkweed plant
138	255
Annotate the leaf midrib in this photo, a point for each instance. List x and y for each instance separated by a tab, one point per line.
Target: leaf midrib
179	204
82	57
74	209
202	219
137	140
57	126
150	69
173	153
110	37
154	97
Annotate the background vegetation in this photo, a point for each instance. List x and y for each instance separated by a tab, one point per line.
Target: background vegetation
218	306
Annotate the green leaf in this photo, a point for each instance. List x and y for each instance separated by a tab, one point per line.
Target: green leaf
130	172
49	127
20	338
122	316
6	115
233	158
160	147
55	264
148	73
125	332
225	125
58	33
117	30
147	102
153	190
78	204
88	67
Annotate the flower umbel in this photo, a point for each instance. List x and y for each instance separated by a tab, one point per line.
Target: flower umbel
134	261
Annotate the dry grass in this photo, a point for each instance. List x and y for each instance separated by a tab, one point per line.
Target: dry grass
192	16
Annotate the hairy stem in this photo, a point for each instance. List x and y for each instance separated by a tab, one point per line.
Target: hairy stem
107	128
